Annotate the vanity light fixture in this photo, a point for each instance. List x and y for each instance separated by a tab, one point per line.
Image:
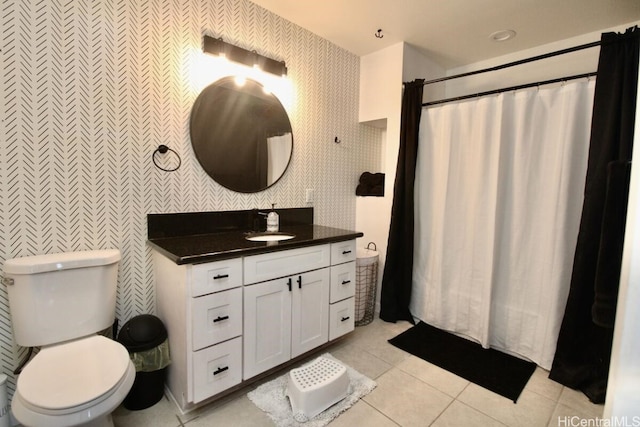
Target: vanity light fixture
249	58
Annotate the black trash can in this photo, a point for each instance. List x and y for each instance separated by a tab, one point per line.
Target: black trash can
145	337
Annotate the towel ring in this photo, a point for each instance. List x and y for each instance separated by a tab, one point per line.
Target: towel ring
162	149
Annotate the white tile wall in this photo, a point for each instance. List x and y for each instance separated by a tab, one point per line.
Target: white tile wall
91	87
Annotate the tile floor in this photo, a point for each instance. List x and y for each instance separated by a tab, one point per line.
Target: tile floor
410	392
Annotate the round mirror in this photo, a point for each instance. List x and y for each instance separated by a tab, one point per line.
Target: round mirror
241	135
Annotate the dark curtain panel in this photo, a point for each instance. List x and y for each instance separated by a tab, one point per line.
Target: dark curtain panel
396	279
584	343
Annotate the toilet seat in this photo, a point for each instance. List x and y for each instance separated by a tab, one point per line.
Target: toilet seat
68	377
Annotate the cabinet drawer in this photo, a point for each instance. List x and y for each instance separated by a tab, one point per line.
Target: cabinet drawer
341	319
259	268
215	276
343	252
216	368
216	317
343	281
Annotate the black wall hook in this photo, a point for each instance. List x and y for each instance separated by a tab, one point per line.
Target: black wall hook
379	34
336	140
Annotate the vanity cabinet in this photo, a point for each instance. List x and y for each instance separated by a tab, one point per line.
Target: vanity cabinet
287	315
231	320
290	315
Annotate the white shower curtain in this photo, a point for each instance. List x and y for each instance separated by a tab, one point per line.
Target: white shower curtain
499	191
278	153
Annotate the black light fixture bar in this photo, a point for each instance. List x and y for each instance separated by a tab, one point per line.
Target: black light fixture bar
234	53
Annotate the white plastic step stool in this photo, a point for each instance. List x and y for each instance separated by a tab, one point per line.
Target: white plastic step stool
315	387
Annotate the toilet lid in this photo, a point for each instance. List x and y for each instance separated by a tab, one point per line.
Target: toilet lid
71	374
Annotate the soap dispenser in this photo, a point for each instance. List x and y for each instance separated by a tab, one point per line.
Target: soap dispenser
273	220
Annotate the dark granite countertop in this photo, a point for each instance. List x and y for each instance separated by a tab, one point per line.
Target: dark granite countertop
194	249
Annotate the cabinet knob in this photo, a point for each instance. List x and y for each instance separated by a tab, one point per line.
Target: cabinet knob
289	284
220	276
220	319
346	252
299	282
346	282
344	319
220	370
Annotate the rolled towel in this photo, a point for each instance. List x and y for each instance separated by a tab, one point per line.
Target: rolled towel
370	184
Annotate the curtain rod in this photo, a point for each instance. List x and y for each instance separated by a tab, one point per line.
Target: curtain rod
508	89
513	64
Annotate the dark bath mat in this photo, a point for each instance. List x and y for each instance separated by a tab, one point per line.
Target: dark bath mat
489	368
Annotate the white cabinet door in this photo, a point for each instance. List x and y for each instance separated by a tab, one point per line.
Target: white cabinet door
310	311
267	325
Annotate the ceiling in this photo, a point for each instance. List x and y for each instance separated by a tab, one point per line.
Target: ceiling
452	32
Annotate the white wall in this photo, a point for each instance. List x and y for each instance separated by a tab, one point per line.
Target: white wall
380	84
416	65
381	76
380	98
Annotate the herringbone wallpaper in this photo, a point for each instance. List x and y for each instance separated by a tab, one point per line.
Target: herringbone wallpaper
91	87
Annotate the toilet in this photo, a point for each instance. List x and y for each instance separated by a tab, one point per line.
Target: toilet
59	302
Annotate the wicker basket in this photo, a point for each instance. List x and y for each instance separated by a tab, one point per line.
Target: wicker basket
366	281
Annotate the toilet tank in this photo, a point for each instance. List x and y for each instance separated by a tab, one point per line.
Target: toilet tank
59	297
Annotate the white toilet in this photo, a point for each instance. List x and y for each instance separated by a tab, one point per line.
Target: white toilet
59	302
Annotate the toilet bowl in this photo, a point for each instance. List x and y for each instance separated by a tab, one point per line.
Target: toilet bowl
59	303
77	383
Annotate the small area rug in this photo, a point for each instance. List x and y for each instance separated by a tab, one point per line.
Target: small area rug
270	398
496	371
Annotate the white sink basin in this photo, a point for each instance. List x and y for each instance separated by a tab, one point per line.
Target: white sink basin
269	237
